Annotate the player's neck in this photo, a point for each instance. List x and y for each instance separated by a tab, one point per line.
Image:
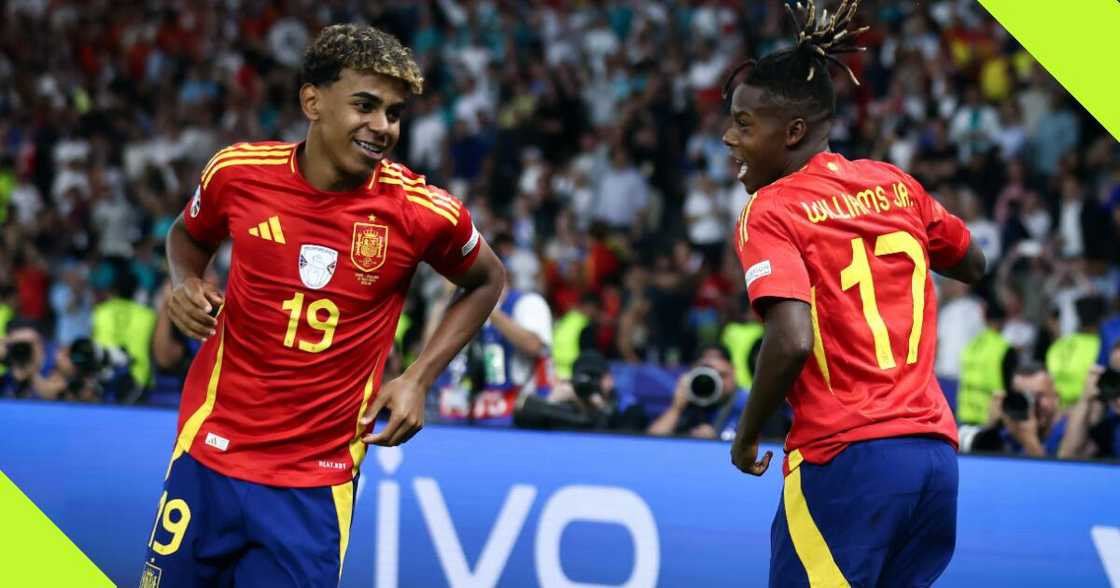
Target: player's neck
315	166
799	158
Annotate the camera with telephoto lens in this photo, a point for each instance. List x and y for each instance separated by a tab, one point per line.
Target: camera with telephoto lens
704	386
1108	386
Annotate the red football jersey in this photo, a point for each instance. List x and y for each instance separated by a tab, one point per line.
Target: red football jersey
856	240
315	289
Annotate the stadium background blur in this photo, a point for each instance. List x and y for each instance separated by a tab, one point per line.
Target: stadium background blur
584	135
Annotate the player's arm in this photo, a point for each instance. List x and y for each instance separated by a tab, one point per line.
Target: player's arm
192	299
970	269
480	287
785	347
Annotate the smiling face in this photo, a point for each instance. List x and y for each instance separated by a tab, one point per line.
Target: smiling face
356	119
758	137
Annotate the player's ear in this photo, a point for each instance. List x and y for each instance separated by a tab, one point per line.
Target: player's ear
796	131
310	100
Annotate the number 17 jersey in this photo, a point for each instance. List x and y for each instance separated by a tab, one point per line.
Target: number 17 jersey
856	240
316	285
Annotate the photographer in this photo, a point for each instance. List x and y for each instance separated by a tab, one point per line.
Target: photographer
27	361
88	372
1027	419
589	402
1094	422
706	402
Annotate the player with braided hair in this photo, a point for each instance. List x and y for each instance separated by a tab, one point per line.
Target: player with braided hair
836	254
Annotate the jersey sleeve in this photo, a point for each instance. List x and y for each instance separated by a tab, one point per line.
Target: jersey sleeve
772	263
947	234
453	244
206	215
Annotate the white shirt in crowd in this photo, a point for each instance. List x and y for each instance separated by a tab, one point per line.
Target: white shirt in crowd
530	312
959	321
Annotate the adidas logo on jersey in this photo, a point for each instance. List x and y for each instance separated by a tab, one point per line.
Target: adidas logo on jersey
269	230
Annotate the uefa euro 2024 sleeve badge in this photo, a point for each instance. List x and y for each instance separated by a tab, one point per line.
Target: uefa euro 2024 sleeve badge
316	265
368	248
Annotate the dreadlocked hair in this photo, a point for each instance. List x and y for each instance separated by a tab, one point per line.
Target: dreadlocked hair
362	48
800	74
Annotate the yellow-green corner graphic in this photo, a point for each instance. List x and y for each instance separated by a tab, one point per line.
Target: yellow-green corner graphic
34	552
1076	41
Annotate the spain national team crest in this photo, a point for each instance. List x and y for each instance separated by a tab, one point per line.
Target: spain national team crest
316	265
369	246
151	576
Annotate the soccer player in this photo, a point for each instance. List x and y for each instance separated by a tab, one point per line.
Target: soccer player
278	406
837	255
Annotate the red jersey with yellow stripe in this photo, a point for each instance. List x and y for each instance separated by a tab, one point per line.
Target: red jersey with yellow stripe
856	240
316	286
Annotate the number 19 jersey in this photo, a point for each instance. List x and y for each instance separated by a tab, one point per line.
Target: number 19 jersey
856	240
316	286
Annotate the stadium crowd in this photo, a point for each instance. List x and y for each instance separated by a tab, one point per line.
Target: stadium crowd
586	139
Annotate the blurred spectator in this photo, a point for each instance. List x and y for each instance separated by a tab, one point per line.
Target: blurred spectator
1071	356
1028	418
1094	422
72	303
119	322
514	349
706	402
742	337
959	320
623	194
28	361
986	366
573	332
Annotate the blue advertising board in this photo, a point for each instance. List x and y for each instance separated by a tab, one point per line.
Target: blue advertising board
468	507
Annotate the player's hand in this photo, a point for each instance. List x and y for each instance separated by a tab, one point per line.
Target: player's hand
405	399
744	454
190	306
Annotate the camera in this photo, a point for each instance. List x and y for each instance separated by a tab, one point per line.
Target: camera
97	369
587	374
1108	386
19	354
704	386
1018	405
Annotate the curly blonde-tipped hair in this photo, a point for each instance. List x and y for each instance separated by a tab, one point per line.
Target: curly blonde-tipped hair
361	48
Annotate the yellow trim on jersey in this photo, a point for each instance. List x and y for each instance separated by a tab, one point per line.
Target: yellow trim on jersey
248	150
396	173
438	199
357	448
292	161
343	495
807	540
194	423
743	220
454	220
249	161
818	343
